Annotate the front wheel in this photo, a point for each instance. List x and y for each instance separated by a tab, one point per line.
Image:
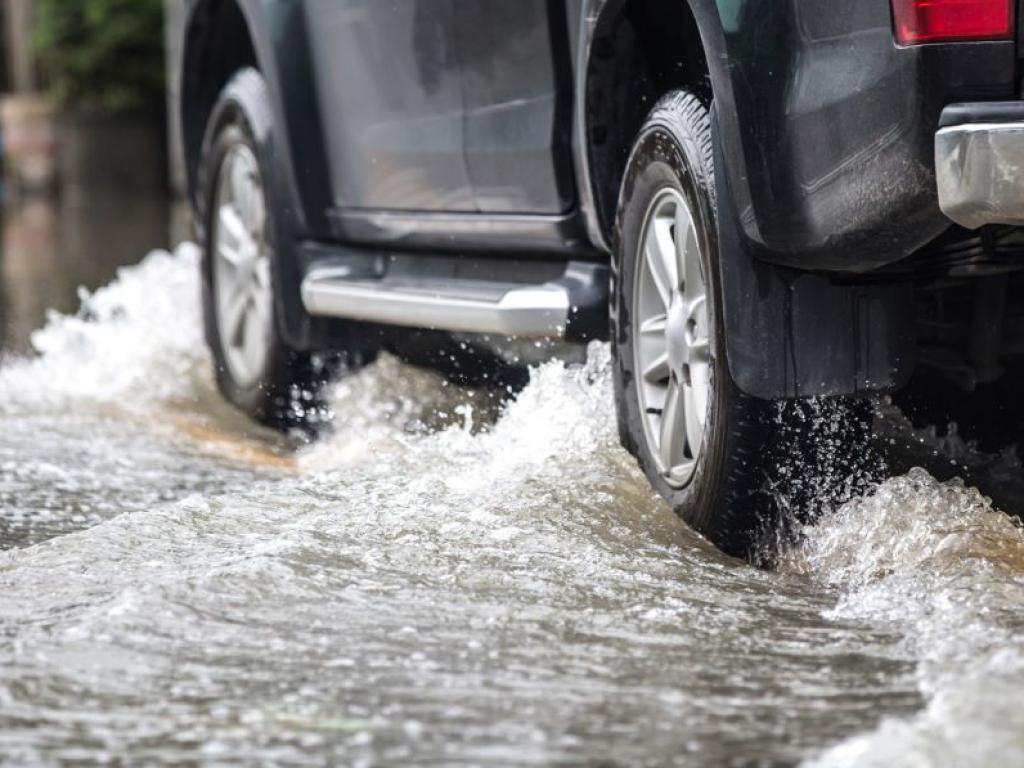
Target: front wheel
256	370
722	459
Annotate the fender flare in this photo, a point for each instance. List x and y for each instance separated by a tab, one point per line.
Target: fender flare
276	28
592	14
297	177
791	333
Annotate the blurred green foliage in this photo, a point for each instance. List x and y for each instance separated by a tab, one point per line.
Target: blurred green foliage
102	55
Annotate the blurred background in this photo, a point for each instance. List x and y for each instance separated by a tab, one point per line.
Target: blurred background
88	182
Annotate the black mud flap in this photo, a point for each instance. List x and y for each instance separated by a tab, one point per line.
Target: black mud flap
793	333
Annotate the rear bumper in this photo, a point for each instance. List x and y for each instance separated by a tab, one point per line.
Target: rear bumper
829	128
979	164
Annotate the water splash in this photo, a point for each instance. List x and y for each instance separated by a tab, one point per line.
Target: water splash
822	457
443	579
937	562
133	342
117	410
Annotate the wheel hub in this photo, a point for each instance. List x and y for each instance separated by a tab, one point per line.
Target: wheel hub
672	343
242	287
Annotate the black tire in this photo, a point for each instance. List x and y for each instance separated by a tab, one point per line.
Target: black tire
286	393
760	462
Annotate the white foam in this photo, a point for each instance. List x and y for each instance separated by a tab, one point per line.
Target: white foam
937	562
933	561
135	341
565	413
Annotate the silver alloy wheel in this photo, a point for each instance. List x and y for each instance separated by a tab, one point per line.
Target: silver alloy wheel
672	337
242	282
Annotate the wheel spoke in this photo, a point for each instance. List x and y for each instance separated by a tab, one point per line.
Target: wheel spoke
245	190
694	422
240	184
698	342
696	307
672	440
656	266
262	304
658	370
256	212
234	317
261	274
700	382
654	326
252	346
693	280
685	253
229	256
663	229
699	349
232	232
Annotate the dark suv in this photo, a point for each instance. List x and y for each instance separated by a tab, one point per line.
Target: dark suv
755	202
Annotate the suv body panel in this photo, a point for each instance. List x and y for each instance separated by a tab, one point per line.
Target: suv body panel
422	137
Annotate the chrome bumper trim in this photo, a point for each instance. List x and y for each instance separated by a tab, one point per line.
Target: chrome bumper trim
979	170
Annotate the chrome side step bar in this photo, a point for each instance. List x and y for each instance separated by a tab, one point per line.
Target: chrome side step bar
521	310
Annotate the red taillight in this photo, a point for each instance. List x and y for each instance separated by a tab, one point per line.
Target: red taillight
930	21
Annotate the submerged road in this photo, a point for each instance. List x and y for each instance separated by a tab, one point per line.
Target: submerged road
448	580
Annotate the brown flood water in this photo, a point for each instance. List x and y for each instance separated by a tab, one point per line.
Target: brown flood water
430	585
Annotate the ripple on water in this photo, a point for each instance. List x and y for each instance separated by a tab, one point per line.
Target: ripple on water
431	585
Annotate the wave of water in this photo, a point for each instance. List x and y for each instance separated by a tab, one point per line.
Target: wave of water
429	584
117	410
134	342
938	563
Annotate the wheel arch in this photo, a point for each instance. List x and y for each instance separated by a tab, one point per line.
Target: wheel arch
791	333
222	39
635	52
217	43
224	36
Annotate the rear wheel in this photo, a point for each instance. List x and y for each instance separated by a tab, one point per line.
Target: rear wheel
740	470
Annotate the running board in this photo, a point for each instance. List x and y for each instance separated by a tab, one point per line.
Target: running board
572	306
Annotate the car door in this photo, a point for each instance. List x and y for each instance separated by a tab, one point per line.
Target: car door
517	85
390	94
